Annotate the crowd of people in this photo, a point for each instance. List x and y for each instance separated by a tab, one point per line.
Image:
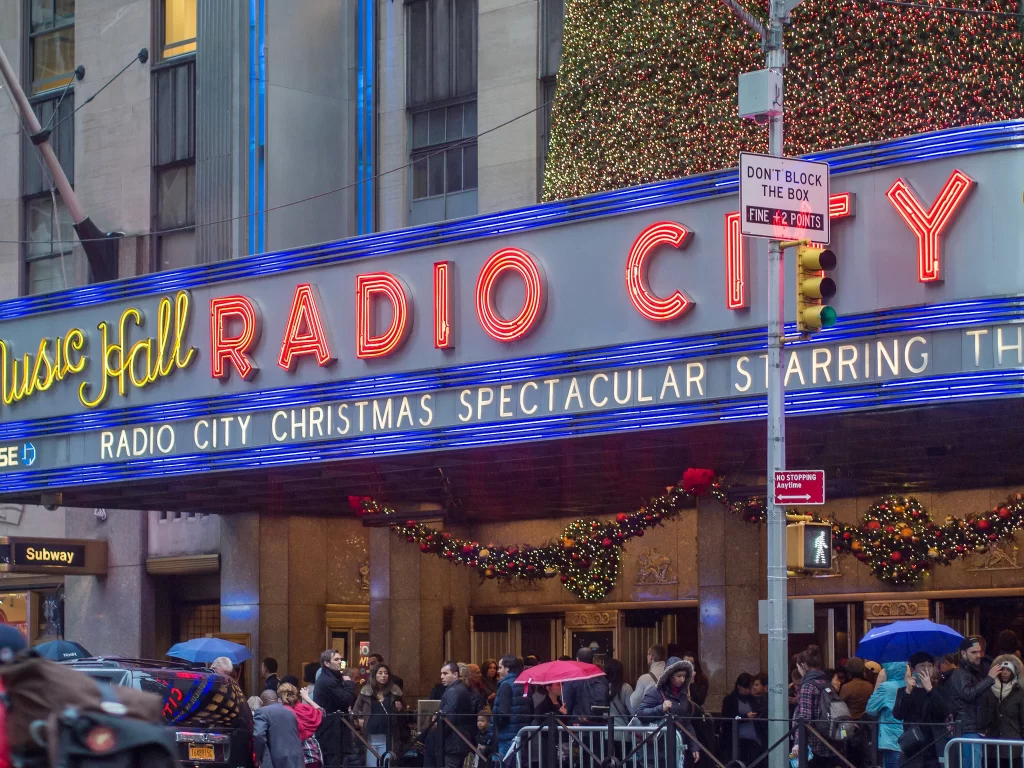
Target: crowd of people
895	714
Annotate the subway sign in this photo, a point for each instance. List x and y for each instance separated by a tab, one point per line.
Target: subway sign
35	555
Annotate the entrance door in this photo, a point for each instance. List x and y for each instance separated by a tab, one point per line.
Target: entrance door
600	641
597	630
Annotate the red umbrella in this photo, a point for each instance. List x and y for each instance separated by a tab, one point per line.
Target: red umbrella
558	672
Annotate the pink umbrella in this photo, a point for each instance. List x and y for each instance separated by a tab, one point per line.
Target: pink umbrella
558	672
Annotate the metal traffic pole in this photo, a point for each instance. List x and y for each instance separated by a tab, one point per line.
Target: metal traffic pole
778	624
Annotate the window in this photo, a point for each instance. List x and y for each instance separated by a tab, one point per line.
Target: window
551	22
174	164
52	43
442	50
49	232
442	101
35	176
438	171
179	27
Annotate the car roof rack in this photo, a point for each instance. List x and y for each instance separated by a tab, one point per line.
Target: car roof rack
115	662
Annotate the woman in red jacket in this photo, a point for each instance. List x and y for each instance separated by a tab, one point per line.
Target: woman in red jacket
309	714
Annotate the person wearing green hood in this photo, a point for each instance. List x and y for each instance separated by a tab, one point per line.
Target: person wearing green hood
880	705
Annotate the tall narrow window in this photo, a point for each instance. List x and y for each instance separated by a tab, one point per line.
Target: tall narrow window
52	43
174	164
49	265
551	22
179	27
442	60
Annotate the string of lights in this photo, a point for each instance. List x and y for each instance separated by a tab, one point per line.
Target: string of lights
859	72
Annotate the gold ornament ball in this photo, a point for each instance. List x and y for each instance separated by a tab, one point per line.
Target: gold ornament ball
900	508
933	552
906	533
485	553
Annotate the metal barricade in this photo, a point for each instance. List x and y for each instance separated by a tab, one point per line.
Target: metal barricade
586	746
965	752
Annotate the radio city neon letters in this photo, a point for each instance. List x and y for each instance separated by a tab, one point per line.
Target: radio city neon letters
304	332
442	301
928	225
520	262
640	294
225	348
390	288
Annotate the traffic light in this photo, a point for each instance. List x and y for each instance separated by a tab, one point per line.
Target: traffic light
814	289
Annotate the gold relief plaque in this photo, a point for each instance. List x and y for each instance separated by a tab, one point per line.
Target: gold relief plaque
580	619
895	610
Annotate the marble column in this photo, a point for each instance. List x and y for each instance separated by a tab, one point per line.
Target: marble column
113	615
240	584
409	596
731	580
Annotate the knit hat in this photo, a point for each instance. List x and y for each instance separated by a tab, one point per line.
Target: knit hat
920	658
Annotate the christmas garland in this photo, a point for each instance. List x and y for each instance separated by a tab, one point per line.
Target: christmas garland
896	537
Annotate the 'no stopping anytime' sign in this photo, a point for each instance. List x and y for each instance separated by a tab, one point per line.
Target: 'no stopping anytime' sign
783	199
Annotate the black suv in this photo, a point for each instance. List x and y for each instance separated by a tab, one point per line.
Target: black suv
208	712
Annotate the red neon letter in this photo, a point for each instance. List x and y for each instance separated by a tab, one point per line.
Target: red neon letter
388	286
649	305
304	333
839	207
927	226
233	349
520	262
442	321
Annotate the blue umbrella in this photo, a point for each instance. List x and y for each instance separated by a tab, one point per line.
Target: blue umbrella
61	650
899	640
206	649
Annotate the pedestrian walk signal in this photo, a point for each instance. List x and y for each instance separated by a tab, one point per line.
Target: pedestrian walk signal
814	288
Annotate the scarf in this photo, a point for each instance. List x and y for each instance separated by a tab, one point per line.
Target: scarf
1004	689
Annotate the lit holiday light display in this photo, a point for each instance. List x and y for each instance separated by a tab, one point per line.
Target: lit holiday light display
896	537
647	91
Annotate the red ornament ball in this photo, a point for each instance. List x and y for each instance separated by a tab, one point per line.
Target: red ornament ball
889	529
449	554
467	549
847	535
565	579
873	525
1004	513
896	557
984	525
640	532
606	543
424	547
621	517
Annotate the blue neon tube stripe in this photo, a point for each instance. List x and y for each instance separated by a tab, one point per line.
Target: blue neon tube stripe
902	320
949	143
893	394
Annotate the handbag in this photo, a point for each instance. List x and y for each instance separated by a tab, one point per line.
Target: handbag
912	740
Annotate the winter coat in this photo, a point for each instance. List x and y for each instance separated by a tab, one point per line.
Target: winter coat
457	708
511	710
276	734
881	703
964	690
645	682
808	702
333	692
581	696
380	717
929	710
652	706
1003	705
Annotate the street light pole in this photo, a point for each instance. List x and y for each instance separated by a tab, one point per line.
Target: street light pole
778	623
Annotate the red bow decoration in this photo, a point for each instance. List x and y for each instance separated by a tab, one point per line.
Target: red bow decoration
698	481
358	504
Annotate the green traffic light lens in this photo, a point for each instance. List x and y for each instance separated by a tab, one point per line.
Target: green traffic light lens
828	317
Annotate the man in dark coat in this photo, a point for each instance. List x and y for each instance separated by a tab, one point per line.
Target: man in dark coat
336	696
269	671
920	704
276	734
444	746
512	710
580	697
964	690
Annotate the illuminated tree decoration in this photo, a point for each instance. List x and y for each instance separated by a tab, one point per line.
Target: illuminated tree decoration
896	538
647	90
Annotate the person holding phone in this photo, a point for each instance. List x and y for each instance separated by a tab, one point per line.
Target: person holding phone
924	711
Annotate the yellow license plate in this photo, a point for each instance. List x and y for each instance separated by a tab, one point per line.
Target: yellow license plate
200	752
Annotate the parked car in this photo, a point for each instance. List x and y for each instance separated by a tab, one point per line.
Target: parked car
208	712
